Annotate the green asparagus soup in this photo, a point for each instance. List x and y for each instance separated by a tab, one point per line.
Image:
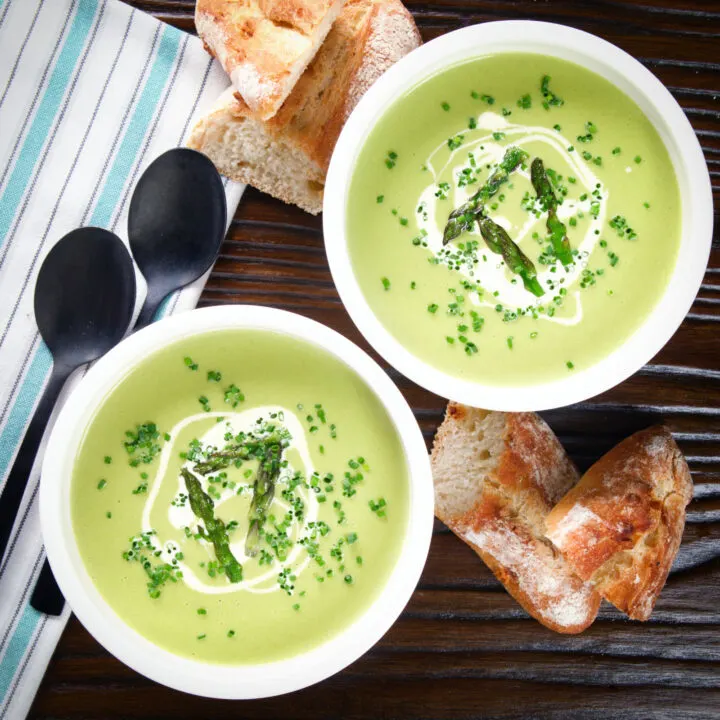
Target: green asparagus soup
513	219
240	497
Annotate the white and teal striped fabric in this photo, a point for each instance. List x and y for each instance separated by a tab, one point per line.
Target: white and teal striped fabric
91	91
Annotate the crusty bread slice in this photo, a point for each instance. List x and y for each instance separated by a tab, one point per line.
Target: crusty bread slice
620	527
288	155
497	475
264	45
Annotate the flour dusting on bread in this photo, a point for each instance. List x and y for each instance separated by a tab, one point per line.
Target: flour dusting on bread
567	601
264	45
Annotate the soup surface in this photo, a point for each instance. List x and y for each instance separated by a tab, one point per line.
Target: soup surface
513	219
240	497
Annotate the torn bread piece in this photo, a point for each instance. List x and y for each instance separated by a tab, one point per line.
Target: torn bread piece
264	45
497	476
620	527
288	156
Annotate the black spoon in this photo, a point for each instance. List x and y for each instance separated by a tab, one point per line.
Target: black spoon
84	300
176	225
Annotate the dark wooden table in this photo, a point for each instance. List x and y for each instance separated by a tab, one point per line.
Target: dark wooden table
463	648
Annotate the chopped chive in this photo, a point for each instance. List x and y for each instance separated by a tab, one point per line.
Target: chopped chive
385	282
445	106
638	159
510	342
570	365
102	484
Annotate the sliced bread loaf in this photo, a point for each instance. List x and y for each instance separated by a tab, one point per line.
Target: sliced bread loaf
264	45
620	527
288	155
497	476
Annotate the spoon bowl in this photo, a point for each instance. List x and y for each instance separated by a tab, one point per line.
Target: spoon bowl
176	223
84	296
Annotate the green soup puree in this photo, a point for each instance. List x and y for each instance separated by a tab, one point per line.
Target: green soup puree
573	188
240	497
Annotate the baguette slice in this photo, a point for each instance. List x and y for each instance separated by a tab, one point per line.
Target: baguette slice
497	475
288	156
620	527
264	45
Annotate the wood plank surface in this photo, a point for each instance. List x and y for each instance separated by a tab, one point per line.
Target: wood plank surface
463	648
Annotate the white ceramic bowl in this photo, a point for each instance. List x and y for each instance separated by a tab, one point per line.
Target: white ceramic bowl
655	101
218	681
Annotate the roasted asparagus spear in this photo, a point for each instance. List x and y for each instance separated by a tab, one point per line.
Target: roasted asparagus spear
203	507
500	243
463	218
556	228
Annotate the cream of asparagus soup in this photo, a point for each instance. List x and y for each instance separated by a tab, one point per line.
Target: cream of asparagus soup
513	219
240	497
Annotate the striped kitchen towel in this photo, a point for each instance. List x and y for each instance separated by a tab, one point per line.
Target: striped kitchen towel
91	91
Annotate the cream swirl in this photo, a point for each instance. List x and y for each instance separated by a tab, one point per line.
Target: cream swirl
493	275
181	516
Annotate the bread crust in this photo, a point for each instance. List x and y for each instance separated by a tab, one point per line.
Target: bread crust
264	45
368	37
505	522
621	526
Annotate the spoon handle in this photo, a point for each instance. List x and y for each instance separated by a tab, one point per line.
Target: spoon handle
47	597
12	492
149	308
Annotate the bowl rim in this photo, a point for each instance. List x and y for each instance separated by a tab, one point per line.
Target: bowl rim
631	77
125	643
